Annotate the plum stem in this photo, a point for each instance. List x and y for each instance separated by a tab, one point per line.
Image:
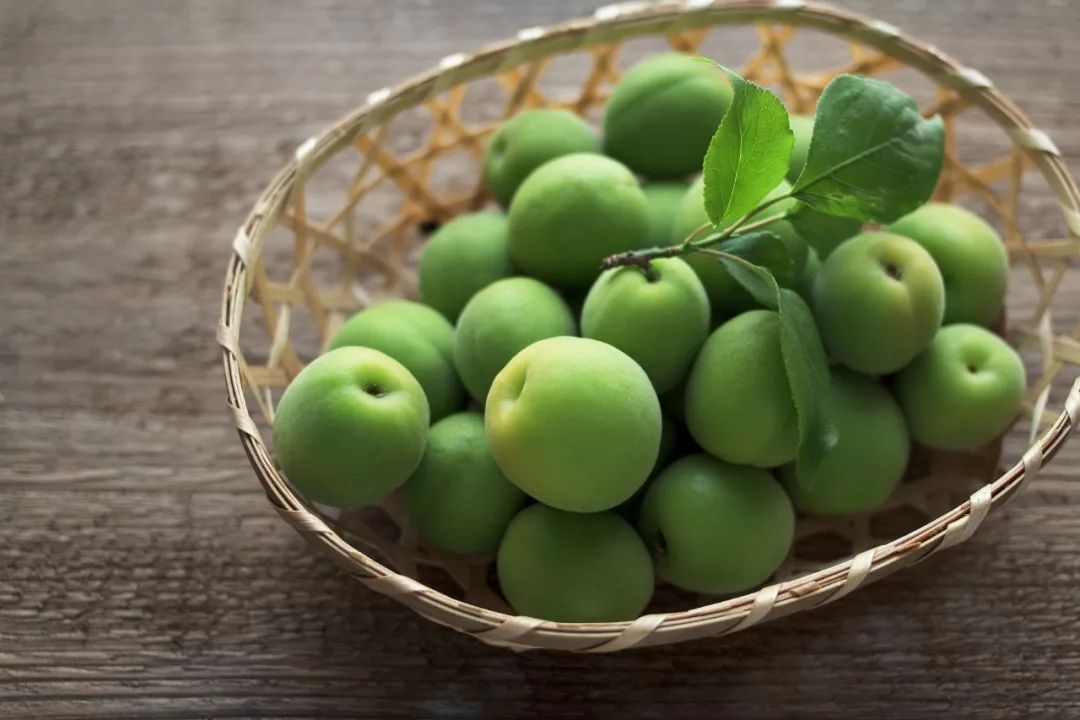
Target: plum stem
690	244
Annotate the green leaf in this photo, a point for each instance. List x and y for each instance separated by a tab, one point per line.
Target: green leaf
804	361
761	247
872	155
823	232
749	153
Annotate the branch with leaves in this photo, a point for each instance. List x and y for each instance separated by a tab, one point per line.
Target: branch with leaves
872	157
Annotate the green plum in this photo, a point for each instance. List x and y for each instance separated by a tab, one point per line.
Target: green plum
969	253
527	141
802	127
501	320
964	390
870	456
661	322
458	498
713	527
418	337
663	113
878	300
570	567
726	296
664	199
570	214
575	423
464	255
351	427
738	402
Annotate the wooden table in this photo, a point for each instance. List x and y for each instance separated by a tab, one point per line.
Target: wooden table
143	574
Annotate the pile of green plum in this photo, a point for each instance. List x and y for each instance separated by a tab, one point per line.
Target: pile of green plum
593	429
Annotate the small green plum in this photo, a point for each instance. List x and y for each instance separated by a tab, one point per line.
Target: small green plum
869	459
464	255
970	255
738	401
575	423
713	527
802	127
570	567
351	427
418	337
458	498
878	300
660	321
664	199
964	390
726	296
570	214
527	141
663	113
501	320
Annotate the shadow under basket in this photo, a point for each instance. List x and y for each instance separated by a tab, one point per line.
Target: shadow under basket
342	225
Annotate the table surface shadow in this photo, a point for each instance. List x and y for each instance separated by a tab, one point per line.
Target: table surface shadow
142	572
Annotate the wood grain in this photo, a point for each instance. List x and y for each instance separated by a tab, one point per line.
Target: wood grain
143	575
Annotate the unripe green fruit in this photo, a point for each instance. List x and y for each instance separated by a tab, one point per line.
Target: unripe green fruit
878	300
715	527
527	141
351	427
964	390
663	199
463	256
573	212
663	113
575	423
458	498
661	322
726	296
570	567
419	338
870	456
802	127
969	253
500	321
738	401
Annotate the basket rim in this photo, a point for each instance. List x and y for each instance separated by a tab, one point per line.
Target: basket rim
617	22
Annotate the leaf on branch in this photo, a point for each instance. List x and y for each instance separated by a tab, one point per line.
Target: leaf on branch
872	155
748	155
804	362
821	231
761	247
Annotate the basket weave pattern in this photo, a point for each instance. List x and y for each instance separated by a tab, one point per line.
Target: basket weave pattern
330	266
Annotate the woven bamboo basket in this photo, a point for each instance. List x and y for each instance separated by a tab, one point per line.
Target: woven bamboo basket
342	224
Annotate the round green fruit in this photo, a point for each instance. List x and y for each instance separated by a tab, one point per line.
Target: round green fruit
572	213
575	423
458	498
527	141
962	391
726	296
878	300
500	321
969	253
802	127
738	402
351	427
663	113
464	255
663	199
419	338
570	567
870	456
714	527
661	322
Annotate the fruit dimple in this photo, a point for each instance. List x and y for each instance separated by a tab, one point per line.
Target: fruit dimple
374	389
660	547
893	270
